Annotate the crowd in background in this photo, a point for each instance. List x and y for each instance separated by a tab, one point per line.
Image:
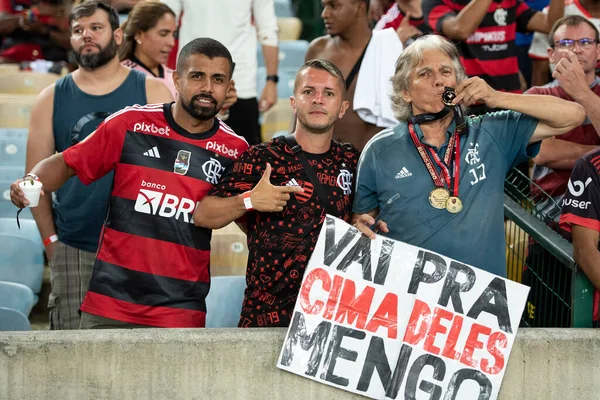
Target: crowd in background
513	46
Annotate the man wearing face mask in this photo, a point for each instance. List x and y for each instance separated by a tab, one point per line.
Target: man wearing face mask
65	113
152	265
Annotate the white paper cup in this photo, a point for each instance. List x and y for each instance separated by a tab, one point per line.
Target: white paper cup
31	188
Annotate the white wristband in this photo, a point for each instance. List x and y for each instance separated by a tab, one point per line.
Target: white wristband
247	201
51	239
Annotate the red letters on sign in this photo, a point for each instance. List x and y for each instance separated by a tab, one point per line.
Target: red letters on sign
347	306
355	309
427	325
318	274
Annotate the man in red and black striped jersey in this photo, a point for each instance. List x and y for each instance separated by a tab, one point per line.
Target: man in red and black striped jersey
152	266
406	17
284	191
581	217
485	31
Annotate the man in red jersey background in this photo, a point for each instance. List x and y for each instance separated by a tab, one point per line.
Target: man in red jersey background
485	32
152	266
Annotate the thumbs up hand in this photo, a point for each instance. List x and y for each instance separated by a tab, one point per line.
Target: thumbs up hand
406	31
268	198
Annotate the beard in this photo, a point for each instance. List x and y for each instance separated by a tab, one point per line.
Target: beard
318	128
200	112
93	61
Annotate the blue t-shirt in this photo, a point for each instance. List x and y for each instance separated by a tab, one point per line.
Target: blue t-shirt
390	164
79	210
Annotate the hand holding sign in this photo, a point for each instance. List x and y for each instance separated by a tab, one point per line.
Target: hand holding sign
268	198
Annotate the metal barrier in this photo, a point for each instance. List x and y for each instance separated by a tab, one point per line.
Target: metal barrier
539	257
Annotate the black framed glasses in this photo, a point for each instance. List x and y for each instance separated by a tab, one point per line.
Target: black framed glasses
569	44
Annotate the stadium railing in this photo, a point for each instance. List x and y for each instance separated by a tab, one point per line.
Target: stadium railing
540	257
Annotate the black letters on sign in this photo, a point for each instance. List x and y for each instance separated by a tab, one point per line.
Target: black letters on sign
335	351
316	340
333	249
419	276
377	360
439	371
485	386
452	288
496	290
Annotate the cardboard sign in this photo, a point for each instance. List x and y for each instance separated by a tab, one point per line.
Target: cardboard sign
388	320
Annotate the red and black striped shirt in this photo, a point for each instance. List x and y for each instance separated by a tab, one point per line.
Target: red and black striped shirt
153	263
490	52
581	204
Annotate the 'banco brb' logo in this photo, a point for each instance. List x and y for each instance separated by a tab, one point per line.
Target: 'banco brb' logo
164	204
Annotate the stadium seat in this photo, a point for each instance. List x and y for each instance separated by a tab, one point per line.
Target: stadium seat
278	118
13	320
291	54
21	261
228	253
517	245
7	177
283	8
17	297
224	301
290	28
28	229
15	113
13	146
26	82
6	69
285	87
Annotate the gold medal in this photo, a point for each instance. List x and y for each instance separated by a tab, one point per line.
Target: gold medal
438	198
454	205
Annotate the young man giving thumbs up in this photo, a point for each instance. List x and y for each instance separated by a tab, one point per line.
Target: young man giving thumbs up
285	188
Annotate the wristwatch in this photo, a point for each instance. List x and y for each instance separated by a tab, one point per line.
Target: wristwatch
273	78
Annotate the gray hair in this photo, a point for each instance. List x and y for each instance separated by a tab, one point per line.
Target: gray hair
408	61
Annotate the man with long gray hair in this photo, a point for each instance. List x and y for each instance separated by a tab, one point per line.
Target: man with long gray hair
447	168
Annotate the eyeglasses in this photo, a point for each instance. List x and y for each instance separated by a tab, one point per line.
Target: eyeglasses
569	44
